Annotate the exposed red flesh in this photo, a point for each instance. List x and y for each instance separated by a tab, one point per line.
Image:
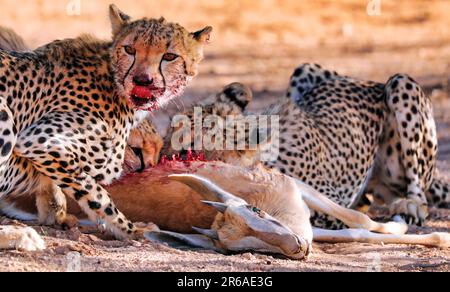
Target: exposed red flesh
172	165
190	157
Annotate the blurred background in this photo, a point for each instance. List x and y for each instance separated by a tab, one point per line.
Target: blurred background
259	42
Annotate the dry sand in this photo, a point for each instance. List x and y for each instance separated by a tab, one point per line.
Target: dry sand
259	43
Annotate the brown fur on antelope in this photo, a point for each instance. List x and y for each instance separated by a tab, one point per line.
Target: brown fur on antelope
231	220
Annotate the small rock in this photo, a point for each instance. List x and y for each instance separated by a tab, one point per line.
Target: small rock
62	250
248	256
136	243
74	234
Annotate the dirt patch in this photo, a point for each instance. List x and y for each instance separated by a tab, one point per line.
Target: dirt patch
74	250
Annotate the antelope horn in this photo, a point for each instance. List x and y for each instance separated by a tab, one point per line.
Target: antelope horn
177	240
221	207
207	232
207	189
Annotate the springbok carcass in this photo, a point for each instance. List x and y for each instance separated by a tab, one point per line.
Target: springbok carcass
246	209
236	209
229	208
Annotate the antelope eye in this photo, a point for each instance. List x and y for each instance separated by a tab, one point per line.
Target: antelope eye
129	50
170	57
254	209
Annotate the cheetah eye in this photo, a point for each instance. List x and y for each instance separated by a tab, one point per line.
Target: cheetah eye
169	57
129	50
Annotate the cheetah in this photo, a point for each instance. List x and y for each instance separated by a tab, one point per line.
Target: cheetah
366	137
143	149
67	109
231	101
346	138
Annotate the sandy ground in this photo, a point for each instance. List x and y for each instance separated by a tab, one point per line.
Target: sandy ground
259	43
75	251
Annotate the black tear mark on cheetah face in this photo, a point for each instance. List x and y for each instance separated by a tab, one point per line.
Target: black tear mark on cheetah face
154	60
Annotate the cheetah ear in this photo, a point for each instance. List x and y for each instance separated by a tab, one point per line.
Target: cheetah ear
204	35
118	19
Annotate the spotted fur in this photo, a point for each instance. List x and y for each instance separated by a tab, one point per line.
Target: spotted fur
231	102
347	137
67	109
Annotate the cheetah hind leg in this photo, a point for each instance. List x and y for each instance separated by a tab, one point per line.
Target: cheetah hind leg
416	132
438	194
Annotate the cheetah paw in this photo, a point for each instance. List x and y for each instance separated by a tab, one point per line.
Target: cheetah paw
412	210
20	238
69	222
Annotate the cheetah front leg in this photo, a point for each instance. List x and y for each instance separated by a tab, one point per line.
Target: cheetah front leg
7	133
51	205
414	142
56	152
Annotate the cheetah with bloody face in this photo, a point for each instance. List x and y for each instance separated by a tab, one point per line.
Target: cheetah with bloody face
67	109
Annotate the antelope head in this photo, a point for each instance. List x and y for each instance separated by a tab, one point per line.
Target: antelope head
238	227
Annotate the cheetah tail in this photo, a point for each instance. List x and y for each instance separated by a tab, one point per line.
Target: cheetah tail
11	41
439	193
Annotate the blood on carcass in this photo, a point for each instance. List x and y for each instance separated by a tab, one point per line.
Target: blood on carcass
190	157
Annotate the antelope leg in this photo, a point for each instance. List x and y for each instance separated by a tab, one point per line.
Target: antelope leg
21	238
441	240
353	219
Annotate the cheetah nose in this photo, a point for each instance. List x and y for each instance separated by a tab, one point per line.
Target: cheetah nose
142	80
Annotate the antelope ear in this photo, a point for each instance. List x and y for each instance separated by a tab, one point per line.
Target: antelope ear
118	19
204	35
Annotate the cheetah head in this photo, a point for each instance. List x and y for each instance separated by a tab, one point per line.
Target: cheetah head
153	60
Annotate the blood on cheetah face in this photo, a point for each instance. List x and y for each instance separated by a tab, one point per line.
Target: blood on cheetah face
153	60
